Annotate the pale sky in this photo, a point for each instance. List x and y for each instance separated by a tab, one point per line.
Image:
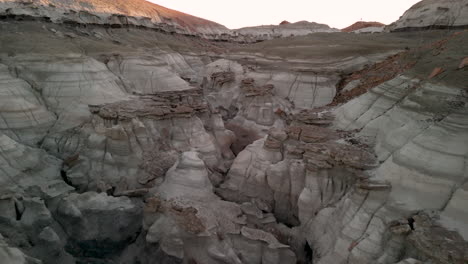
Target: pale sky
336	13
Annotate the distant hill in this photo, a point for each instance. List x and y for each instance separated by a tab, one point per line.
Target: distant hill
134	8
362	24
284	29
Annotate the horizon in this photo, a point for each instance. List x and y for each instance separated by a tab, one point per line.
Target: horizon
272	13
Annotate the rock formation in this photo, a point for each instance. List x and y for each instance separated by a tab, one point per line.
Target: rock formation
98	225
140	13
433	14
130	133
24	117
188	221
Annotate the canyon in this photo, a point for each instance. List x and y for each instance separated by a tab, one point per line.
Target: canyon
132	133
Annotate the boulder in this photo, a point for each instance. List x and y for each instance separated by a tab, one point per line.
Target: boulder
98	225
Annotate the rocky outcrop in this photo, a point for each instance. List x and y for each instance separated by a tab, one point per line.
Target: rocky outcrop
251	109
307	89
256	97
137	141
280	169
146	75
14	255
188	177
68	85
75	124
360	82
117	14
404	120
29	171
190	222
23	115
395	149
27	224
435	243
98	225
433	14
419	118
346	212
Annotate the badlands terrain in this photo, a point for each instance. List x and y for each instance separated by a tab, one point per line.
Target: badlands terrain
132	133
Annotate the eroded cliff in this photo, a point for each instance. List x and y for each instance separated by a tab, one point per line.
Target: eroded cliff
129	145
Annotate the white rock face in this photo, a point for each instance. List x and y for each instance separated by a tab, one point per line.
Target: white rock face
454	215
248	172
414	124
410	141
66	82
23	116
25	216
14	256
188	177
305	90
416	127
433	13
69	84
308	183
113	154
222	79
146	75
105	153
304	84
224	137
122	154
29	171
